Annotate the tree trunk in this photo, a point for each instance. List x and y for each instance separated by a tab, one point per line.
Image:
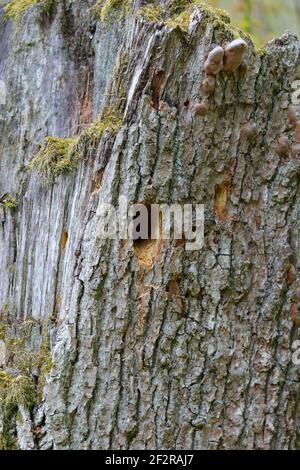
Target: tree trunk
112	344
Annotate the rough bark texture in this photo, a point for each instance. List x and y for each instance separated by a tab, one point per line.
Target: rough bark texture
195	351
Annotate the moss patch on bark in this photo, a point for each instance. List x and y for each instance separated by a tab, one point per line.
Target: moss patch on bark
9	202
178	13
104	8
56	156
15	9
23	362
59	156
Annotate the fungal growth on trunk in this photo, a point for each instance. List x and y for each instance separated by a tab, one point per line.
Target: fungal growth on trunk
292	115
297	133
283	146
209	85
249	131
201	108
296	150
214	61
234	55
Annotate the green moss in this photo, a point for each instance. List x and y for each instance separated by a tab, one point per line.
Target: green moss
56	156
179	21
20	389
178	13
152	13
59	156
4	313
9	202
231	31
182	10
15	9
48	7
109	120
14	392
261	52
3	330
219	18
105	7
44	365
20	356
7	442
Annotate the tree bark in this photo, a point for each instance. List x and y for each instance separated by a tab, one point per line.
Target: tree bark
163	348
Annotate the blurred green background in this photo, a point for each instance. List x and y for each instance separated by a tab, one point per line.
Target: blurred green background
263	19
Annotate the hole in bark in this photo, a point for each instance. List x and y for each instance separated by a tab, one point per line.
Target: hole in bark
186	105
147	234
157	86
142	223
64	240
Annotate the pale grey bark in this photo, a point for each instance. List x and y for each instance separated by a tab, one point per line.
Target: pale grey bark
194	353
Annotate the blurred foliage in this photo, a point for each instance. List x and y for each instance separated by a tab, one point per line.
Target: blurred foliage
263	19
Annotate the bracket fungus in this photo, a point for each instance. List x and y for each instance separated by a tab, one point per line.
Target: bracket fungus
291	274
209	84
248	131
201	108
214	62
297	133
296	150
294	314
292	116
283	146
234	55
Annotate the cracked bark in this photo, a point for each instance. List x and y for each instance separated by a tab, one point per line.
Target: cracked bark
133	368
